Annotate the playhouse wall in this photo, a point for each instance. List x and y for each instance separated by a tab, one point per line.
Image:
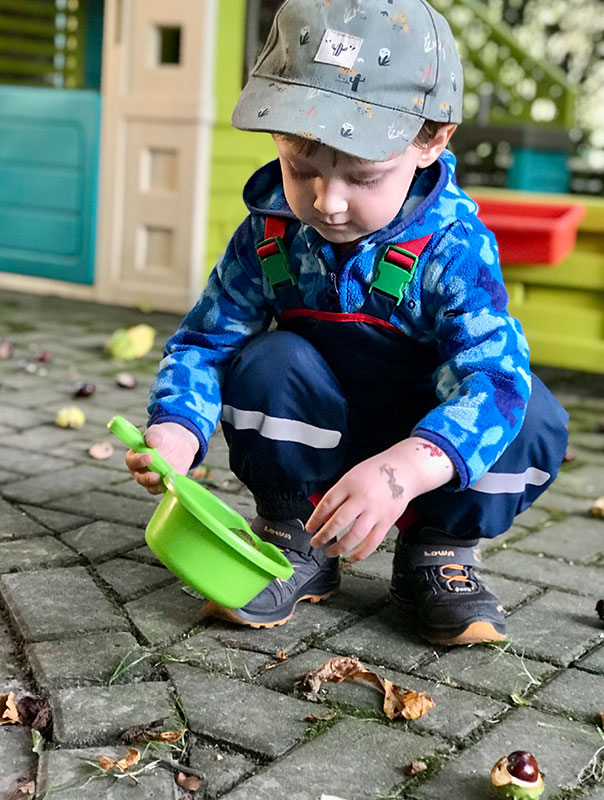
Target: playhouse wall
235	154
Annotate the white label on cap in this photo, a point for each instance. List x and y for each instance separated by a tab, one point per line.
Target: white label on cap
338	48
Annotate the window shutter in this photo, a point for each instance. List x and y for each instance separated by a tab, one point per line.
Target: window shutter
42	43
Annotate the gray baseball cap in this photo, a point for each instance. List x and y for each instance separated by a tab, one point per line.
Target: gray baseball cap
358	75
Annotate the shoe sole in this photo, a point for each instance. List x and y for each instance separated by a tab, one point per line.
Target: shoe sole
231	615
481	632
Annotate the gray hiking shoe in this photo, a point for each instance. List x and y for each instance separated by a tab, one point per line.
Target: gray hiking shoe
316	576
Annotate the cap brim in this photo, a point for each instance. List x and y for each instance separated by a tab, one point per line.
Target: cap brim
355	127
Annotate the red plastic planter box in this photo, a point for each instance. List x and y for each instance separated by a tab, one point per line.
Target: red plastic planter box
531	233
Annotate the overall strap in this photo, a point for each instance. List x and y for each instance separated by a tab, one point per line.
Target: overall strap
394	271
274	261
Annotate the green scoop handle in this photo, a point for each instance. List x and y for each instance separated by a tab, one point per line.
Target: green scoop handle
134	439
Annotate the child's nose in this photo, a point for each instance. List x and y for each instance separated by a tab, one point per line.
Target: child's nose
329	197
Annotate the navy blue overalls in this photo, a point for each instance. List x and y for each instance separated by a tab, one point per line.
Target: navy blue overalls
306	402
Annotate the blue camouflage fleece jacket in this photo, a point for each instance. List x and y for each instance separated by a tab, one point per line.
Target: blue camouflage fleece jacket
456	303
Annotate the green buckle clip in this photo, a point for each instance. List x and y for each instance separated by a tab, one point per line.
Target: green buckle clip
391	277
274	261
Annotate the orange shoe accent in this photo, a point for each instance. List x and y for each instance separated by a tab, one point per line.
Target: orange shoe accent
475	633
231	615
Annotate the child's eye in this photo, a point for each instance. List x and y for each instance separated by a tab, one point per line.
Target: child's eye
366	184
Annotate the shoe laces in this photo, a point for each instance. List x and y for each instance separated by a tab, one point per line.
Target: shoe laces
456	577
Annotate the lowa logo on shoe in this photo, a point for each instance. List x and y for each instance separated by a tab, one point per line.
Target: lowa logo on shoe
275	532
435	553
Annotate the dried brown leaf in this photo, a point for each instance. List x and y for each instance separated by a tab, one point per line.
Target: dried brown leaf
398	702
27	789
131	758
315	718
35	712
405	702
597	510
169	737
282	656
190	783
8	710
415	767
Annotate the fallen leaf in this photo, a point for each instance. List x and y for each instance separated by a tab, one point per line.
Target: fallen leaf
35	712
101	451
6	348
169	737
8	710
398	702
27	789
415	767
125	380
131	758
519	700
314	718
282	656
189	782
597	510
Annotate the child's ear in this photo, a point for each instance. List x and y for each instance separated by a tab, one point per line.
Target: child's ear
431	151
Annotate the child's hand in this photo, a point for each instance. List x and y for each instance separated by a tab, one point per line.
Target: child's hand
374	494
172	441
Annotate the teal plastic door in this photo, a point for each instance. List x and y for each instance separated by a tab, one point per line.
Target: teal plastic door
49	142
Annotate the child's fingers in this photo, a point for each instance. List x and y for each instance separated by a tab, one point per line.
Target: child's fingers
371	543
329	503
353	537
343	516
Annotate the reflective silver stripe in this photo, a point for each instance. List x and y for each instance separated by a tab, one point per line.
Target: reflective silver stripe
280	429
510	482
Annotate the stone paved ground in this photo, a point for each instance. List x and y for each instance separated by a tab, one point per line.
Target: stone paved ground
92	622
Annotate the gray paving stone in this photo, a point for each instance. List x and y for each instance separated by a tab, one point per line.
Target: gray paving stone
359	596
35	553
8	655
557	503
382	639
144	555
218	769
584	481
166	614
102	539
39	438
533	517
49	604
88	659
242	502
31	463
548	572
456	715
556	627
248	717
16	417
561	540
310	622
562	749
66	775
56	521
129	579
574	692
206	652
510	592
377	565
108	506
355	759
55	484
16	524
594	661
99	715
515	533
487	668
18	761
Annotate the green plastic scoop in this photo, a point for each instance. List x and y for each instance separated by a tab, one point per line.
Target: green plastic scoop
201	539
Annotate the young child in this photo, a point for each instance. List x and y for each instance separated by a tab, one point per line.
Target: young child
396	388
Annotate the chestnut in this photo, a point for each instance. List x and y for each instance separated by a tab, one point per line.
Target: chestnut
517	776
